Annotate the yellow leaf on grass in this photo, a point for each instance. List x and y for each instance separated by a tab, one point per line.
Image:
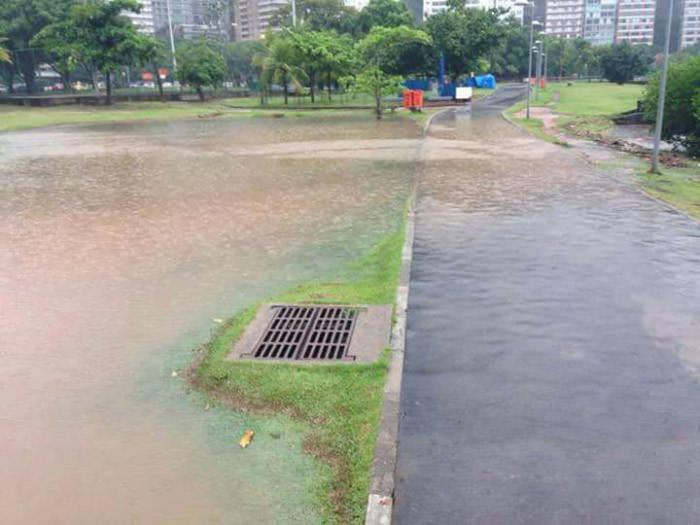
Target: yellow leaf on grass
246	439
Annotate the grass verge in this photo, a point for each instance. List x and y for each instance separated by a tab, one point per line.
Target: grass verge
340	403
679	187
533	125
16	118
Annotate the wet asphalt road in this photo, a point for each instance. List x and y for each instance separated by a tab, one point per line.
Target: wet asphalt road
553	352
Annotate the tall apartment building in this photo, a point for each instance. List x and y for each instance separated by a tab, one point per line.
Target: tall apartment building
191	18
515	7
144	19
252	17
635	21
599	21
564	18
690	23
357	5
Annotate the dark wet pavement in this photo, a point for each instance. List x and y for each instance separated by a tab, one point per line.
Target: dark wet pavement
553	351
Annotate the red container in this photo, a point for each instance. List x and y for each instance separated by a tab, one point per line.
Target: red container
408	99
418	99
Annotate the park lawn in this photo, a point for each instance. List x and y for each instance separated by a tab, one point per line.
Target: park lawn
340	403
14	118
591	99
583	108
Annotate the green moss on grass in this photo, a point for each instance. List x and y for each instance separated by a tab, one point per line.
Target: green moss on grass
340	403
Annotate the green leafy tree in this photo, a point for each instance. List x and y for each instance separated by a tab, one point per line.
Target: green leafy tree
376	83
150	54
282	64
383	53
314	50
510	58
318	15
20	22
99	35
4	52
385	13
398	50
240	60
681	123
620	63
199	66
465	36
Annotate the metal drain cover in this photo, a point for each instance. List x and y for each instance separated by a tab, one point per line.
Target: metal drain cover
318	333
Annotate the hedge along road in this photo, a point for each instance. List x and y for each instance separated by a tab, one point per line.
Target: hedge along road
553	349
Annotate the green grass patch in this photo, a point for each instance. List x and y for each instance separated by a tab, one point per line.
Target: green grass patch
584	108
14	118
677	186
593	98
340	403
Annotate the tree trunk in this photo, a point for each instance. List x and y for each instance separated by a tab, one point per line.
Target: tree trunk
108	79
200	92
378	105
28	73
65	78
286	89
159	83
312	84
328	84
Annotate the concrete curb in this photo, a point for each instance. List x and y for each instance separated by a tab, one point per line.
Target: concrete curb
380	503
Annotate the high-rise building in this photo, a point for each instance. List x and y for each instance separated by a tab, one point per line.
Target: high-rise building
253	17
599	21
690	23
357	5
143	20
635	21
515	7
661	21
192	18
564	18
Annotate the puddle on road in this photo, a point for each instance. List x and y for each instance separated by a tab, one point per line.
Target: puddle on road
118	246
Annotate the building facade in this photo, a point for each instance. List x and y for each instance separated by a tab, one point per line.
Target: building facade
143	20
635	21
690	23
564	18
192	19
599	22
252	18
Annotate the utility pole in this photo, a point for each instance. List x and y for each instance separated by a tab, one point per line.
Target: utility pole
172	37
538	71
662	94
529	60
294	13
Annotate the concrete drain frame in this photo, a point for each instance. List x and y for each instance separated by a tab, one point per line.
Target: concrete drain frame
315	334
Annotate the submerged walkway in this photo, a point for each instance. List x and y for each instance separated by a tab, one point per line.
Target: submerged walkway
553	351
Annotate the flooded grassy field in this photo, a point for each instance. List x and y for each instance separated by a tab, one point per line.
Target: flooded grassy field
120	248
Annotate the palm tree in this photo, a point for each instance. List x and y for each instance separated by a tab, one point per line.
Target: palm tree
4	52
279	65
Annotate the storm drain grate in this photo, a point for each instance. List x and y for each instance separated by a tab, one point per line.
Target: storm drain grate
307	333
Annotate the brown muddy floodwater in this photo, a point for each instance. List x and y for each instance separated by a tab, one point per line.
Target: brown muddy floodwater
119	247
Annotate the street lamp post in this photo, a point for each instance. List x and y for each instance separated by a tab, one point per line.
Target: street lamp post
662	94
172	37
538	67
529	60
